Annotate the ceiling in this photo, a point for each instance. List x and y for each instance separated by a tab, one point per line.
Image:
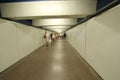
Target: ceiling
100	5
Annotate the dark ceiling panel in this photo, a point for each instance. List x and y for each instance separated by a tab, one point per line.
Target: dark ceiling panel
27	22
79	19
102	3
0	15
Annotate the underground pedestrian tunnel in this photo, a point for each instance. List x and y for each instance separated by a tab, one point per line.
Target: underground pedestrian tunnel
90	50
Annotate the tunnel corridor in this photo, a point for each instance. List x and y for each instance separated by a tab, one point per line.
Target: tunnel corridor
89	52
59	61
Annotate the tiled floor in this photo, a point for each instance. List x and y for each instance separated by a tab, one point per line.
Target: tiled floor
59	61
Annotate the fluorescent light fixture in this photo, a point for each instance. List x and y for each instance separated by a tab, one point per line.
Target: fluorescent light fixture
54	22
59	30
51	27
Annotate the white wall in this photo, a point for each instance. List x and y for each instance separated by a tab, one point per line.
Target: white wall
98	41
17	41
76	37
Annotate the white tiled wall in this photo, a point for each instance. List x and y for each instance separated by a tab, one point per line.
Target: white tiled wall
17	41
100	42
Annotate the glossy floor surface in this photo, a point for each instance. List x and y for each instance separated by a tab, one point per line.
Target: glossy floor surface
58	61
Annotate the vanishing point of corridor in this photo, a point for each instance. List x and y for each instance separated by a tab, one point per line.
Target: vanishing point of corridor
59	61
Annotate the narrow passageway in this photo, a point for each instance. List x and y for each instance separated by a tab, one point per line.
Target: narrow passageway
59	61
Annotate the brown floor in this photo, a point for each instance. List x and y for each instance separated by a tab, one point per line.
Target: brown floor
56	62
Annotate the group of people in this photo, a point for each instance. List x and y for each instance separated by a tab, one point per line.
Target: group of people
50	37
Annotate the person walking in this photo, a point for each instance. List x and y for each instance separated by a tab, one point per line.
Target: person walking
47	37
